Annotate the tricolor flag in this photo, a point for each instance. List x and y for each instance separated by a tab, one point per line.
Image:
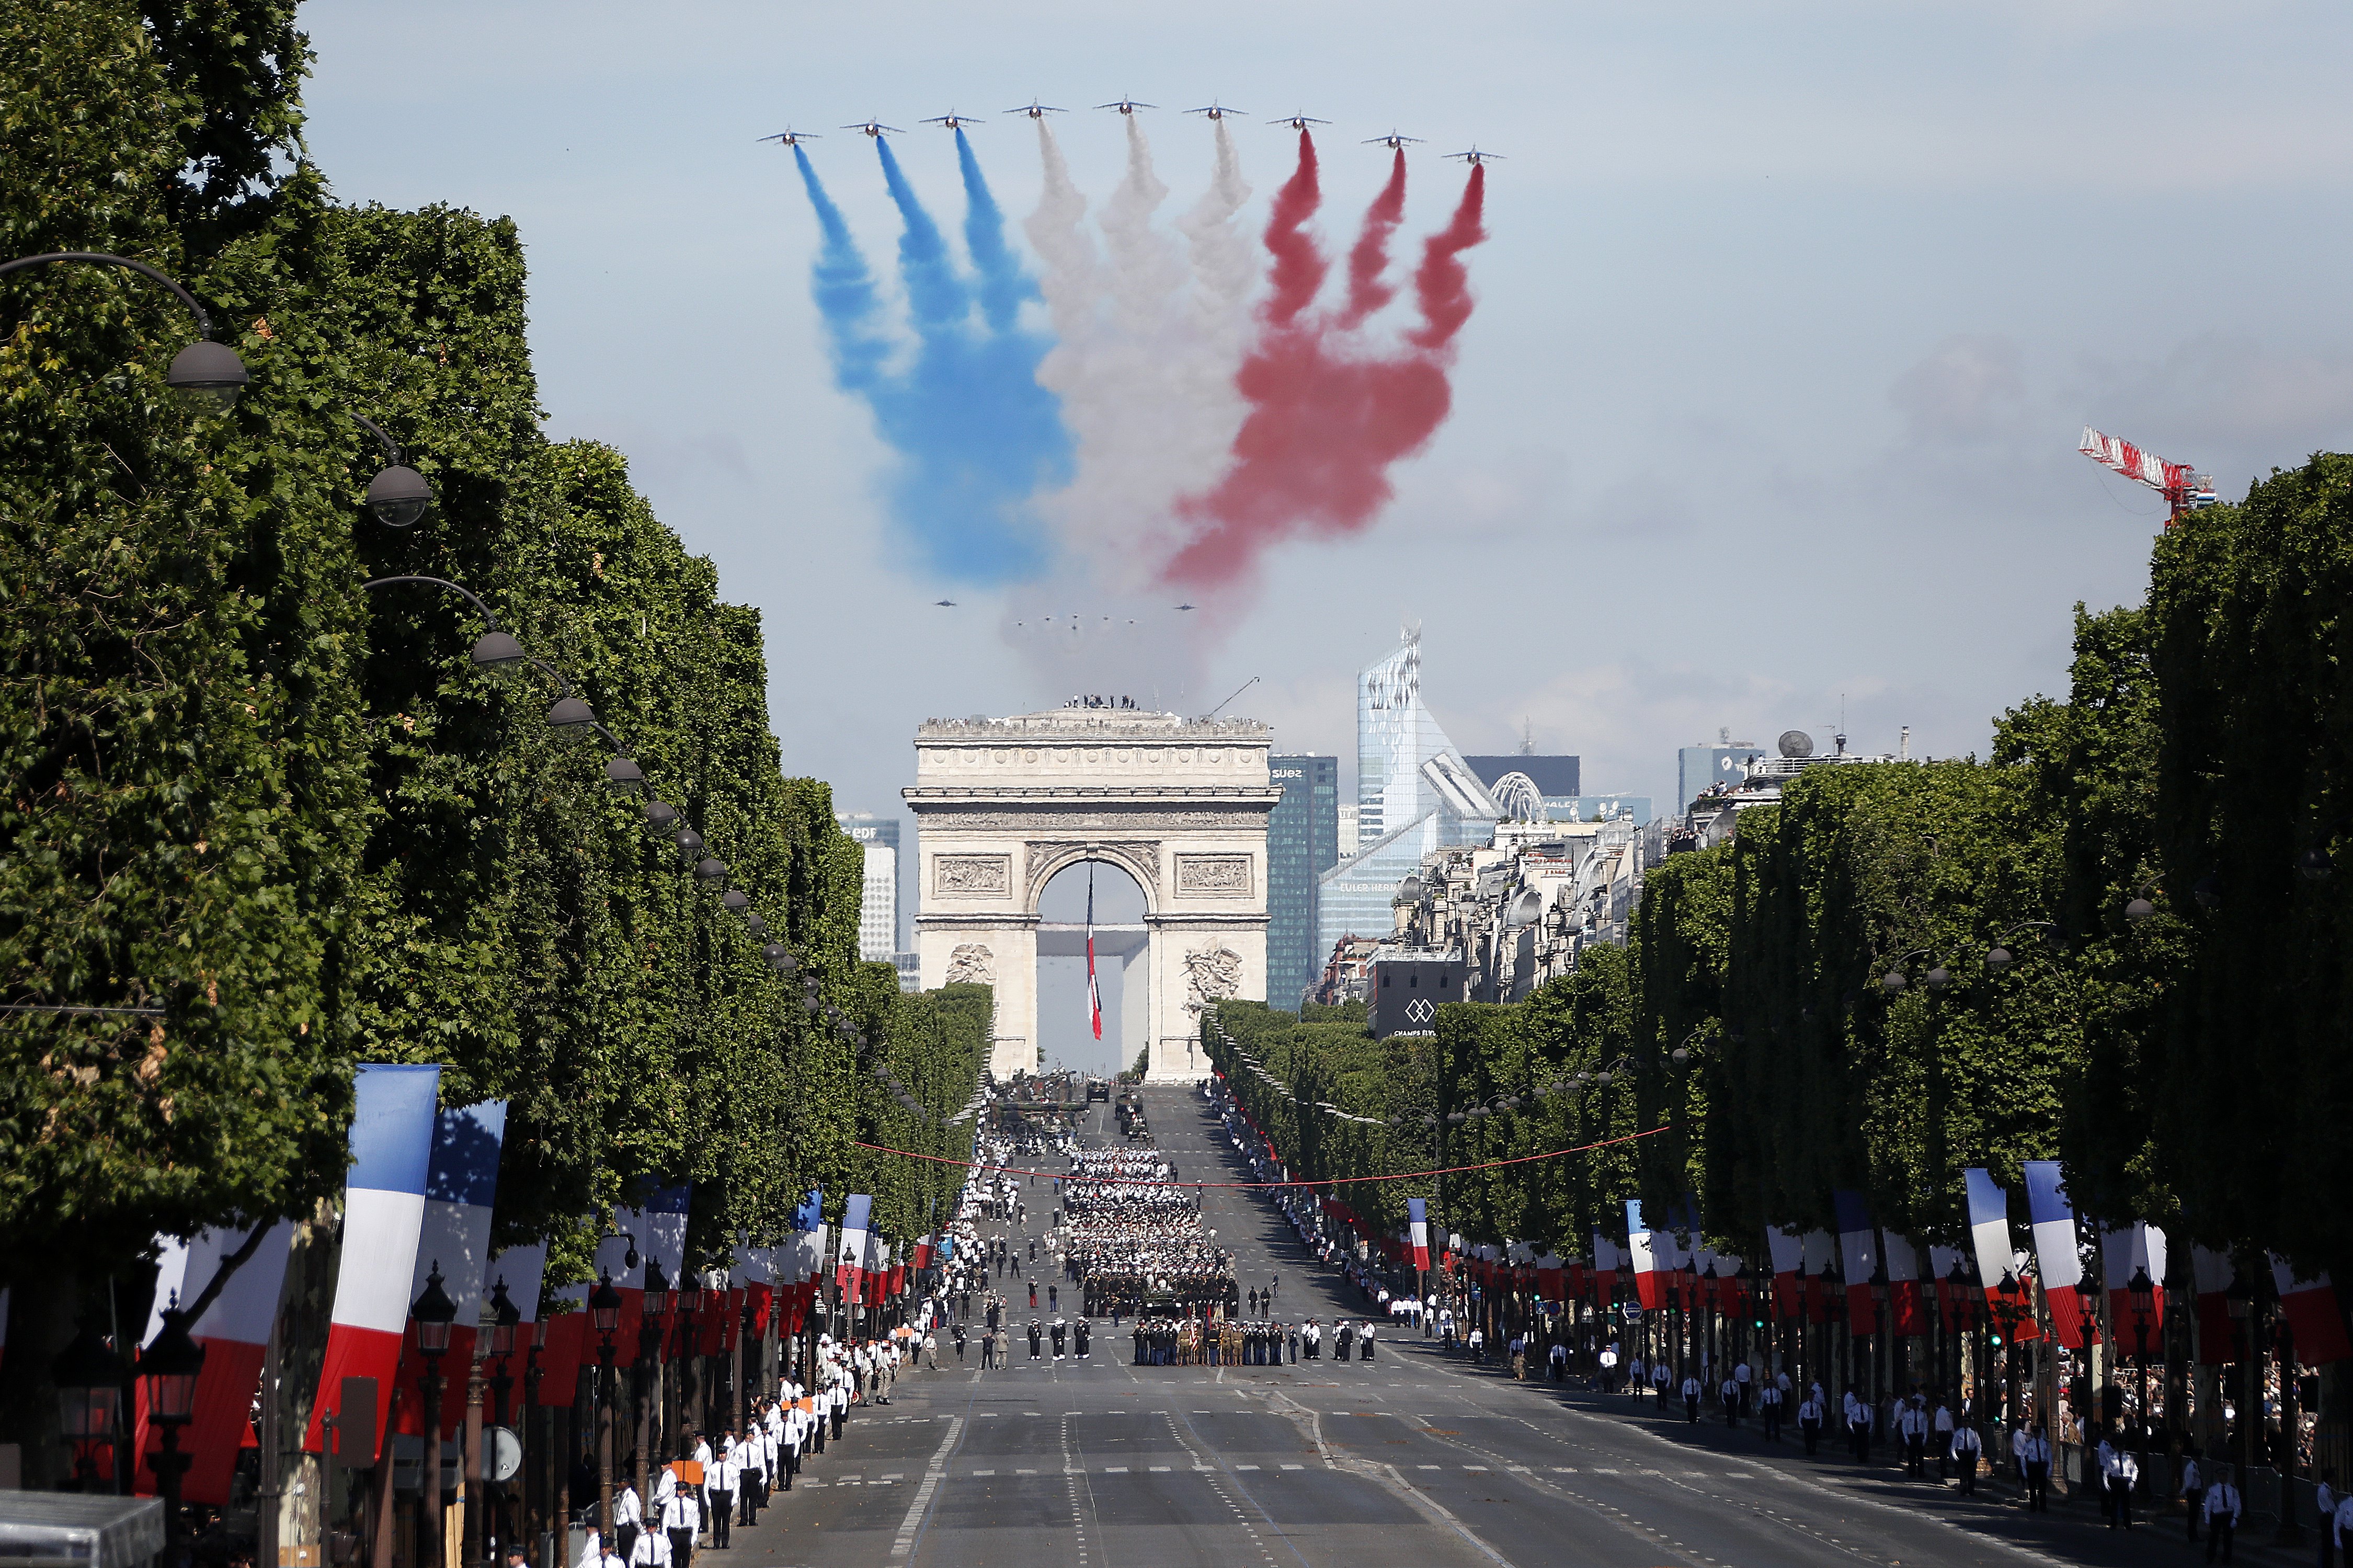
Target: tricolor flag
461	1184
1642	1244
1820	1248
2056	1259
1858	1256
1416	1212
850	1260
2310	1305
1551	1282
235	1332
1788	1253
1094	996
2125	1250
1905	1313
2212	1274
383	1209
1941	1260
1607	1258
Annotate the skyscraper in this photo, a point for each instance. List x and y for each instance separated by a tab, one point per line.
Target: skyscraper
1414	793
1701	767
1302	844
878	903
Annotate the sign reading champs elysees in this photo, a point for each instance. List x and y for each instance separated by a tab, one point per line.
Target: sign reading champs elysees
1406	992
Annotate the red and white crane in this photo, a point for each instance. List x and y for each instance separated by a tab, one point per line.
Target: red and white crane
2185	488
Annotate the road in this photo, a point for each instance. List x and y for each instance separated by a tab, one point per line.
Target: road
1414	1459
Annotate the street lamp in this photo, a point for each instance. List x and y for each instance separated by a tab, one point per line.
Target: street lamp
88	1379
2141	1292
605	1317
170	1364
207	376
434	1312
655	1309
399	495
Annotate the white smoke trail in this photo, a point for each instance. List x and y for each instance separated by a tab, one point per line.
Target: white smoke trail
1150	330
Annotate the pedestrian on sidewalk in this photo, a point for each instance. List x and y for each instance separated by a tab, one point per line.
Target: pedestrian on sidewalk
1940	1437
1691	1398
2193	1489
722	1480
1730	1393
1810	1420
1912	1423
1768	1405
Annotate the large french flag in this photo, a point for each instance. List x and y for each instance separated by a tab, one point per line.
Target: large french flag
1858	1256
383	1212
2123	1249
461	1187
2312	1314
1607	1258
2211	1274
1642	1245
1416	1218
1820	1250
1788	1253
1906	1312
2055	1258
850	1261
1941	1260
1997	1254
1094	996
235	1333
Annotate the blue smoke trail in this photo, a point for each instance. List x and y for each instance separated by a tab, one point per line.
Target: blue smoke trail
1003	284
977	434
845	294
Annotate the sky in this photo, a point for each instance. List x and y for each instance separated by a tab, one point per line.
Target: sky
1787	322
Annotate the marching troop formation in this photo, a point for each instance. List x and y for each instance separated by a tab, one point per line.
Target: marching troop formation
1133	1243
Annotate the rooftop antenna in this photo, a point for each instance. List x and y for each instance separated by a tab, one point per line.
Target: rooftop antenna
1527	737
1245	686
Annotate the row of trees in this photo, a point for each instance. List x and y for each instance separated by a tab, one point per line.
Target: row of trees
2119	942
288	811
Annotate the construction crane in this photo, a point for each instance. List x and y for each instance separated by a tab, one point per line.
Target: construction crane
2184	489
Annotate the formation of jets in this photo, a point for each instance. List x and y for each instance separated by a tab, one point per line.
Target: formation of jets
952	121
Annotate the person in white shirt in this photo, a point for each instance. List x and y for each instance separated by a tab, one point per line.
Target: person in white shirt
682	1522
628	1519
721	1483
1769	1401
1691	1398
2341	1526
1729	1392
653	1549
1940	1437
1911	1424
2326	1496
2034	1465
1660	1377
2221	1510
595	1555
2193	1490
2104	1460
1608	1360
1966	1448
1810	1414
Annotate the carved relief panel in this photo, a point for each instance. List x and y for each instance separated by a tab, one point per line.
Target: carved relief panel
972	876
1214	876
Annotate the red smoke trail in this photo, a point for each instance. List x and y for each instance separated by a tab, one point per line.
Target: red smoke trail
1326	422
1299	266
1370	257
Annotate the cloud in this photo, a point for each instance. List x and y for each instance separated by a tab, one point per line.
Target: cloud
1970	387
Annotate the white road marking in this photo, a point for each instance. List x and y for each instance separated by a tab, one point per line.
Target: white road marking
932	1475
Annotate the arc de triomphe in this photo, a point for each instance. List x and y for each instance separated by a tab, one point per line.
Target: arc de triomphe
1180	804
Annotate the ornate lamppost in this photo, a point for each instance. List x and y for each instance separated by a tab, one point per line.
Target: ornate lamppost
605	1317
88	1376
434	1312
649	1382
170	1364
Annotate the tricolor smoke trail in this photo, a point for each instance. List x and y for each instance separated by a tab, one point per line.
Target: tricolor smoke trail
978	435
1328	417
1202	395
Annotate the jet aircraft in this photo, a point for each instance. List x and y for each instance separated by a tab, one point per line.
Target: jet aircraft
1188	606
944	604
1392	140
792	138
875	128
952	121
1476	156
1216	111
1037	110
1127	106
1299	121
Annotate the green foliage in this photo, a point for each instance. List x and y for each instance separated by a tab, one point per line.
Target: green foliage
290	812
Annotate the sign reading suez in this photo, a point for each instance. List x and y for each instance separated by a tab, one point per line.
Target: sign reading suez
1286	773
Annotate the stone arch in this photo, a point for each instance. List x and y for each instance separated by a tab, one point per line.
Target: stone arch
1140	861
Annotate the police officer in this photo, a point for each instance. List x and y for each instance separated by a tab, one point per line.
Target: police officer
1769	1405
1037	1338
1809	1419
2222	1515
1967	1448
2034	1464
1691	1398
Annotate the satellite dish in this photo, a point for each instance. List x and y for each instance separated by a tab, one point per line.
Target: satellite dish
1796	744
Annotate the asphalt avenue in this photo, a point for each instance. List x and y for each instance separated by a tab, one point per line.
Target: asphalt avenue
1415	1459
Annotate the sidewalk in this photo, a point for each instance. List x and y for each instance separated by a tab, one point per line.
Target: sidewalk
2072	1527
